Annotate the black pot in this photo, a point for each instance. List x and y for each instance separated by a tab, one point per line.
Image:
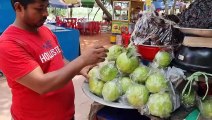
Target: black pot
193	59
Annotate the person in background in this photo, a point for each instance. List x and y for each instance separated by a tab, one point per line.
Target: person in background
32	61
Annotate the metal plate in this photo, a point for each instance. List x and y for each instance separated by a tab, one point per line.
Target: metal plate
100	100
196	31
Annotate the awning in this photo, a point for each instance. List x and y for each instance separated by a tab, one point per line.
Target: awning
64	3
88	3
71	3
160	5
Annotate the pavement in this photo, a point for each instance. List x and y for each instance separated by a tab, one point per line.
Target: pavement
82	102
5	100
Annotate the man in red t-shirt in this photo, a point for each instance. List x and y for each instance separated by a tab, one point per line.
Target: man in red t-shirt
32	61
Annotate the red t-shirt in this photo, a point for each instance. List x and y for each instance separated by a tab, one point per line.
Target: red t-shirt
20	53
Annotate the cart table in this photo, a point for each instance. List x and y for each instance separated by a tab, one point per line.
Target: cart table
68	40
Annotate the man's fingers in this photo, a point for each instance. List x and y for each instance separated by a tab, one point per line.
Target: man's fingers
91	66
101	55
100	50
106	50
98	46
101	60
85	75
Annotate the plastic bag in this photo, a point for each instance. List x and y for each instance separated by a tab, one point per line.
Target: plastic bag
161	104
111	91
205	107
162	59
152	29
140	74
136	96
108	71
169	92
128	61
175	75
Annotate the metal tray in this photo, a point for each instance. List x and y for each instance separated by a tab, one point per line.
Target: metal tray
195	31
100	100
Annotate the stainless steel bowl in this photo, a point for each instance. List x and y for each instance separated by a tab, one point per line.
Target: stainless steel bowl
196	31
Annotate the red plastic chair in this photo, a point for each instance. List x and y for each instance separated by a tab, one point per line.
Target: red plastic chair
80	27
97	26
71	23
89	28
79	20
59	21
74	22
68	24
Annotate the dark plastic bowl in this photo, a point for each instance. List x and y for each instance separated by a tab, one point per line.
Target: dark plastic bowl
193	59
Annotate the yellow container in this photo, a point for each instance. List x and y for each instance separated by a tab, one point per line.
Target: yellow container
113	38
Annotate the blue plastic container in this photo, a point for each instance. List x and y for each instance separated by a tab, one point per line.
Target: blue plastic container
7	15
110	113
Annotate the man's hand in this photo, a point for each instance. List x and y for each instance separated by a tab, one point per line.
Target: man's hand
94	55
85	71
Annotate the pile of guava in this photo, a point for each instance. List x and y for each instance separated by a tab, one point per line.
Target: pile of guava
122	75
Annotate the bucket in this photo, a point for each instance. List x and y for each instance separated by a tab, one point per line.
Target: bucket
113	39
126	39
148	52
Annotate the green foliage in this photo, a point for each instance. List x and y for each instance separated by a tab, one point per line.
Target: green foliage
57	11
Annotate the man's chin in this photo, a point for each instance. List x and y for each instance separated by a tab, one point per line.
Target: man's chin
39	25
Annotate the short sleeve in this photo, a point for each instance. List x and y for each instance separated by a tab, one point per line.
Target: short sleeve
15	61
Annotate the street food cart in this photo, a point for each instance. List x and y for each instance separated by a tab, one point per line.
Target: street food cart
125	14
188	45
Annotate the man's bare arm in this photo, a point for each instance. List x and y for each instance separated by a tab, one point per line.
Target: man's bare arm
65	61
43	83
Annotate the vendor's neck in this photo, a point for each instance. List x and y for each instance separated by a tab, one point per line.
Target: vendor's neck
24	26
